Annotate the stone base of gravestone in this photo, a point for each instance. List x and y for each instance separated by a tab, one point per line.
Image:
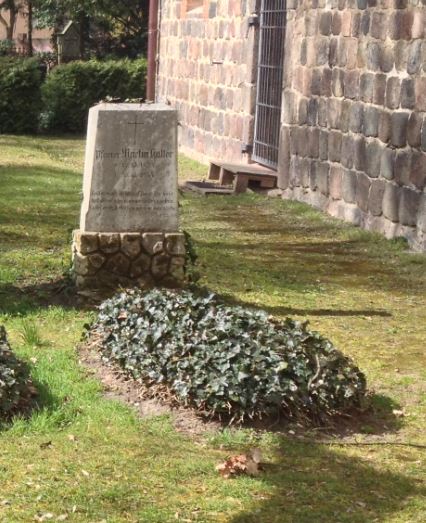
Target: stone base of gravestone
102	260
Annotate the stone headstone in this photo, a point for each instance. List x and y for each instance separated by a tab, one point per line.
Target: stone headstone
130	175
129	224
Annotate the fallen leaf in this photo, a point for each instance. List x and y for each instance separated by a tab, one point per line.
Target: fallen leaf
241	464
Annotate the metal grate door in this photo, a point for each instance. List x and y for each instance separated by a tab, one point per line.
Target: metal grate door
269	82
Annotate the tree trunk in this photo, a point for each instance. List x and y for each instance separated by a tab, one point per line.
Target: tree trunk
12	22
30	28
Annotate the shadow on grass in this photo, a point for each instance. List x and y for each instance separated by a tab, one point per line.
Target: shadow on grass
315	483
15	300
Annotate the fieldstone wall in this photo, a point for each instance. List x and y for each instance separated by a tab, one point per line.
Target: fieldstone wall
353	140
103	260
206	71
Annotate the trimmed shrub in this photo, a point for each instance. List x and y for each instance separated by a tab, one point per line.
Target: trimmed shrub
71	89
226	360
20	95
15	384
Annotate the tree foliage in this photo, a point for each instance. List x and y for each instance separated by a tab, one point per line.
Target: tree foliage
107	26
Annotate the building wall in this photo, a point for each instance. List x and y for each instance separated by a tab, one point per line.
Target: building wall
41	37
206	71
353	140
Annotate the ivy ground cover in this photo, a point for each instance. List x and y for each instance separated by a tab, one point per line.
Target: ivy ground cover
85	458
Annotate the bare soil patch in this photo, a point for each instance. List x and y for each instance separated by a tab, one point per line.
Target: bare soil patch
119	386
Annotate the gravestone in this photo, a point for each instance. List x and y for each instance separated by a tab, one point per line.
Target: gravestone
129	224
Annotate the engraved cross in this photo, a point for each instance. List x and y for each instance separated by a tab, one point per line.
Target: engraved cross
135	123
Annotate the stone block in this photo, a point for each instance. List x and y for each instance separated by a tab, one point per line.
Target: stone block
379	25
131	244
423	135
313	176
408	206
365	23
333	52
385	126
325	23
316	82
303	111
349	183
159	266
337	82
177	268
371	121
374	154
399	129
421	217
379	95
312	112
375	200
118	264
421	94
335	185
153	242
387	163
334	146
419	24
360	154
414	129
356	117
86	242
175	244
323	50
391	202
418	169
344	115
386	59
96	261
347	154
323	145
373	56
313	143
322	112
393	92
322	178
336	24
140	266
414	61
334	112
367	87
326	81
402	167
362	191
408	95
81	265
351	84
109	243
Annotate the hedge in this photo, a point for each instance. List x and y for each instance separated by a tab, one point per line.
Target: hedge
71	89
20	95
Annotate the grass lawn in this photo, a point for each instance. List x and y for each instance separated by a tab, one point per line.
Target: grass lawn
85	458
